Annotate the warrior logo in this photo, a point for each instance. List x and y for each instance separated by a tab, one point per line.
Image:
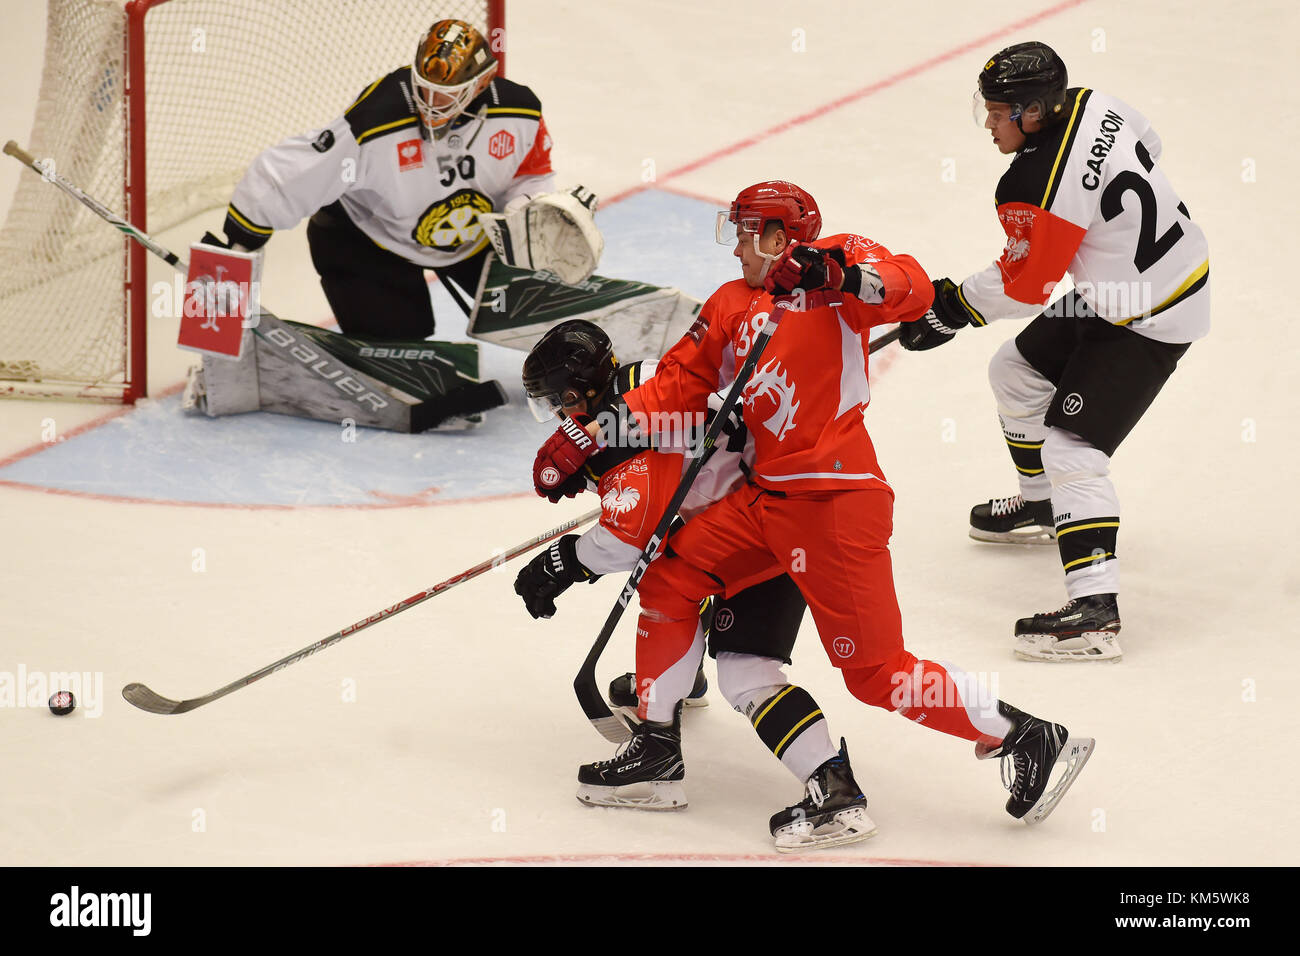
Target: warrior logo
1016	249
843	646
620	501
770	383
1073	404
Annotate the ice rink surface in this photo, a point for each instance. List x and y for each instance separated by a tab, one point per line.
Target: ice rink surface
183	553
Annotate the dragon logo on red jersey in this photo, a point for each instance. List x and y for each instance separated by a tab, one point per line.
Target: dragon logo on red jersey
770	386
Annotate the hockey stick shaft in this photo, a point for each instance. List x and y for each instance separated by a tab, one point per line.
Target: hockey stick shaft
47	172
584	685
145	699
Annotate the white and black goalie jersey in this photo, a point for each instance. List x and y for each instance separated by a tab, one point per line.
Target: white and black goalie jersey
1086	196
412	194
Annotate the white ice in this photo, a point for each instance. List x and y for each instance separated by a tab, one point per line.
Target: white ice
450	733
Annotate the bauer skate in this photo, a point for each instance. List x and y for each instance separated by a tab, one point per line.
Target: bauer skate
623	699
833	813
1085	629
646	773
1013	521
1030	752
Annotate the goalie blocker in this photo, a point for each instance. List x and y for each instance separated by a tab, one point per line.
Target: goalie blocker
294	369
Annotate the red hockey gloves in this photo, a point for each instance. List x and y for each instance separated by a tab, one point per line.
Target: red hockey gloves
549	575
803	269
940	324
557	470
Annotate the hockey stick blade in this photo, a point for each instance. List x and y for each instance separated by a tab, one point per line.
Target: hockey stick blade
142	698
585	688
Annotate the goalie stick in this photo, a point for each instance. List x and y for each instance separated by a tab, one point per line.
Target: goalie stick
471	398
584	685
138	695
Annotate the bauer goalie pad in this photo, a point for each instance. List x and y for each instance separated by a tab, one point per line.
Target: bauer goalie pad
515	308
308	372
555	232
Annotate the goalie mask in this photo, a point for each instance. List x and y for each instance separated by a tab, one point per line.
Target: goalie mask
453	65
572	363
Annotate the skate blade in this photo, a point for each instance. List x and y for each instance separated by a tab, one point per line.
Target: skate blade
848	826
651	795
1034	534
1074	755
627	712
1088	646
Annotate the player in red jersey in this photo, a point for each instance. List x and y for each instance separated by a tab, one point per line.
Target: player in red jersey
817	505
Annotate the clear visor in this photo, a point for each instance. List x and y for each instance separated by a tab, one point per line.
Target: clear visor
439	105
725	232
546	407
988	115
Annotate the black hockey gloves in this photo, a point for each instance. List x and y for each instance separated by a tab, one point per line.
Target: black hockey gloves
940	324
549	575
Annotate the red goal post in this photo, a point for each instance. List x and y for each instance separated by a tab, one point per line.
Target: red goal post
156	107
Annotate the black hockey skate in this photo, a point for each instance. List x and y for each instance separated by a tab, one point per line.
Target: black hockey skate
646	773
833	813
1085	629
1030	751
623	697
1013	521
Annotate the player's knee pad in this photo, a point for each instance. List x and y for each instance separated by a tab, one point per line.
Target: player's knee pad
1020	389
747	681
1069	458
662	598
880	686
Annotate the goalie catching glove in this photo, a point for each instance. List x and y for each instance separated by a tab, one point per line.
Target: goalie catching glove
941	323
549	575
555	232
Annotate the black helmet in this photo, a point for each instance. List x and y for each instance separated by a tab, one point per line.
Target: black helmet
1026	75
572	362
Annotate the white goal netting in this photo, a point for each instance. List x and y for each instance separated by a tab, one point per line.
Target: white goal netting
223	80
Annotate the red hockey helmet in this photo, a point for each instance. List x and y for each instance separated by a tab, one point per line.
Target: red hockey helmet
755	206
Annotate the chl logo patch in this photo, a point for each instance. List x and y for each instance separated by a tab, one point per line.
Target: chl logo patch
409	155
843	646
324	141
501	145
1073	404
724	620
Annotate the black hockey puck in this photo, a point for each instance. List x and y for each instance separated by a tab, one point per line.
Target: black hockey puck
63	703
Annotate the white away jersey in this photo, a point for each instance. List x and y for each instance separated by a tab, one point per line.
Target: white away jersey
1087	197
411	194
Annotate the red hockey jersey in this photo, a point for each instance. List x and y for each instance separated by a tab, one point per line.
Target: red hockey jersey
804	404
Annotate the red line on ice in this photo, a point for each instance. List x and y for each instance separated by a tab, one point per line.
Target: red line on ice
846	99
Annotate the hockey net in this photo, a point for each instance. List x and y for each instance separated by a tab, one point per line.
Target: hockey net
179	95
